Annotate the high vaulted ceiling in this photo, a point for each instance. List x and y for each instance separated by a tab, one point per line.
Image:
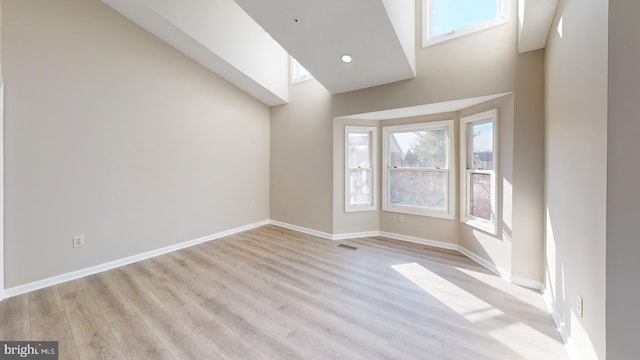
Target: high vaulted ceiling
247	41
378	35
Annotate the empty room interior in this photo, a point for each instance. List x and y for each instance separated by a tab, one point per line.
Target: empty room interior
386	179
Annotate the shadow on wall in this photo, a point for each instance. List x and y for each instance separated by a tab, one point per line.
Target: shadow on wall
506	219
555	293
486	246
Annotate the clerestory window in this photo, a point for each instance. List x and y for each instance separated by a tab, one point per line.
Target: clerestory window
448	19
298	72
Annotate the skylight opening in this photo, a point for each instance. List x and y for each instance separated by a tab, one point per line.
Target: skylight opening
298	72
448	19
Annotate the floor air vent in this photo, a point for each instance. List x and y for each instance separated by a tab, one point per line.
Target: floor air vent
348	247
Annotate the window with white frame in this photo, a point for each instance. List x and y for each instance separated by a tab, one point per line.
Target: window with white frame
298	72
479	163
418	175
447	19
360	160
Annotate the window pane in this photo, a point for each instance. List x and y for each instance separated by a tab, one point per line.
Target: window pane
298	72
360	187
449	15
426	189
481	196
482	146
359	150
419	149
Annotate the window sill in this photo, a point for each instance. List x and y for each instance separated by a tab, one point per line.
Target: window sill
301	80
360	209
427	42
488	227
415	211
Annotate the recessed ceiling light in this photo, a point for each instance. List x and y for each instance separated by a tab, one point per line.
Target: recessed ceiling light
346	58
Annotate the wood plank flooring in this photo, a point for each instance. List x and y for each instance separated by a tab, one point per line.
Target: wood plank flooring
272	293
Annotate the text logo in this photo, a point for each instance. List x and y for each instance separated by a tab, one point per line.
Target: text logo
41	350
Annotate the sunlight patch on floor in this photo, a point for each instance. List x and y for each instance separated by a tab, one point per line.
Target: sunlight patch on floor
516	335
451	295
528	296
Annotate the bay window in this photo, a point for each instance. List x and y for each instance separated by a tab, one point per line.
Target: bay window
418	175
360	159
479	165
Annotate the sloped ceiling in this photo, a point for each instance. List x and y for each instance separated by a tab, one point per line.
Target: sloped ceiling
247	42
222	37
378	35
534	22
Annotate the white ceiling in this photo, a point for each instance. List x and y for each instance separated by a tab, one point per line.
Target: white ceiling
219	35
247	41
318	32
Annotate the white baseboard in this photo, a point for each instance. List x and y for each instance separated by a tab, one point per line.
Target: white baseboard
40	284
301	229
356	235
560	325
417	240
506	275
487	264
526	282
59	279
517	280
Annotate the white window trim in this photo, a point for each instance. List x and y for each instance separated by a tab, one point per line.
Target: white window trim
295	77
449	213
428	40
373	156
465	203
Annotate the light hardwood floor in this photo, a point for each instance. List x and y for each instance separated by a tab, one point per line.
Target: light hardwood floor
272	293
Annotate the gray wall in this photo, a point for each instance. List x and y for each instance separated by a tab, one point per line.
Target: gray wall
576	171
301	158
113	134
480	64
527	229
623	177
497	249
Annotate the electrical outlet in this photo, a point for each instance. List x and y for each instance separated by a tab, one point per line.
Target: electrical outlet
252	206
78	241
401	218
580	306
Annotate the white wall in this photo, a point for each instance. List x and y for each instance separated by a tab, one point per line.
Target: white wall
623	177
576	171
111	133
401	14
